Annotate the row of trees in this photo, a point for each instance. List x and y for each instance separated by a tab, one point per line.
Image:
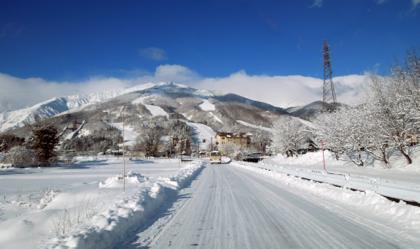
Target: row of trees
387	123
38	150
100	141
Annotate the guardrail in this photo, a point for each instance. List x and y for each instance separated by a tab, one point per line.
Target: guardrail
393	189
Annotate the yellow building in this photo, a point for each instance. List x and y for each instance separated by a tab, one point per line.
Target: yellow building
240	139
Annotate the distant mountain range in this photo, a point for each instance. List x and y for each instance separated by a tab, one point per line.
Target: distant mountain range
197	107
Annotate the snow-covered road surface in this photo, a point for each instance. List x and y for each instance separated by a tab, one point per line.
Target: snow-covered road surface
228	207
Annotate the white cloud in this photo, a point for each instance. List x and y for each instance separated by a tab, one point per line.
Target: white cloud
283	91
176	73
317	4
286	91
18	93
153	53
415	3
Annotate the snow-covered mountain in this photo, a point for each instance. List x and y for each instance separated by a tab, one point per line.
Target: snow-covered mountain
49	108
169	100
311	110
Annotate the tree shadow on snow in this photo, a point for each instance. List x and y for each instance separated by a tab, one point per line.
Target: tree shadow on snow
140	161
85	165
18	171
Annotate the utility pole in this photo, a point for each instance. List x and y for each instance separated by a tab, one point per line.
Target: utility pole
123	147
328	91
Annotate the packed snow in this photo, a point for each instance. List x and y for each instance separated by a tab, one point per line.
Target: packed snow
233	207
398	215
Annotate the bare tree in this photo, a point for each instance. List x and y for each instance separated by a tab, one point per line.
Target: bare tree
150	138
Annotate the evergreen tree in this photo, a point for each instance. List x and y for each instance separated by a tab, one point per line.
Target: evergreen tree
44	140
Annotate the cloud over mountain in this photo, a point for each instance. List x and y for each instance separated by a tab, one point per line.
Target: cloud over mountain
282	91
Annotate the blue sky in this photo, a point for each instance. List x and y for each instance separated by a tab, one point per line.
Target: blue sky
75	40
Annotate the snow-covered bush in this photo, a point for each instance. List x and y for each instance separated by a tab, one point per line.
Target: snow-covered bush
20	156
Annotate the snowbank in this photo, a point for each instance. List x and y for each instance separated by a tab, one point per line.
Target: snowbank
109	228
406	216
396	182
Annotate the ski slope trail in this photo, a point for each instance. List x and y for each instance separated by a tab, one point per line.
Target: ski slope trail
232	208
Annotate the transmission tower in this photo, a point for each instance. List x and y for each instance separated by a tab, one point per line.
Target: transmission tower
328	91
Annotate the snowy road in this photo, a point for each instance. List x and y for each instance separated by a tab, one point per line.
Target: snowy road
228	207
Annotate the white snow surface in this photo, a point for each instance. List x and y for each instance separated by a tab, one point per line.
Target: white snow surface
202	133
108	228
60	105
132	178
233	207
215	117
156	110
207	105
263	128
400	182
398	215
38	204
130	134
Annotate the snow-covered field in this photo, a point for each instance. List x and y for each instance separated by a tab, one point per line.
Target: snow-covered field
40	204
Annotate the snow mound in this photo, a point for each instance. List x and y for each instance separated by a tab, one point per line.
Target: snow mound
226	159
132	178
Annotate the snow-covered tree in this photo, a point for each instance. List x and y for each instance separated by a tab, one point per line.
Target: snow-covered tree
344	132
395	106
288	136
387	121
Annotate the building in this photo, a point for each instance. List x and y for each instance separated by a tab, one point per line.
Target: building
241	139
